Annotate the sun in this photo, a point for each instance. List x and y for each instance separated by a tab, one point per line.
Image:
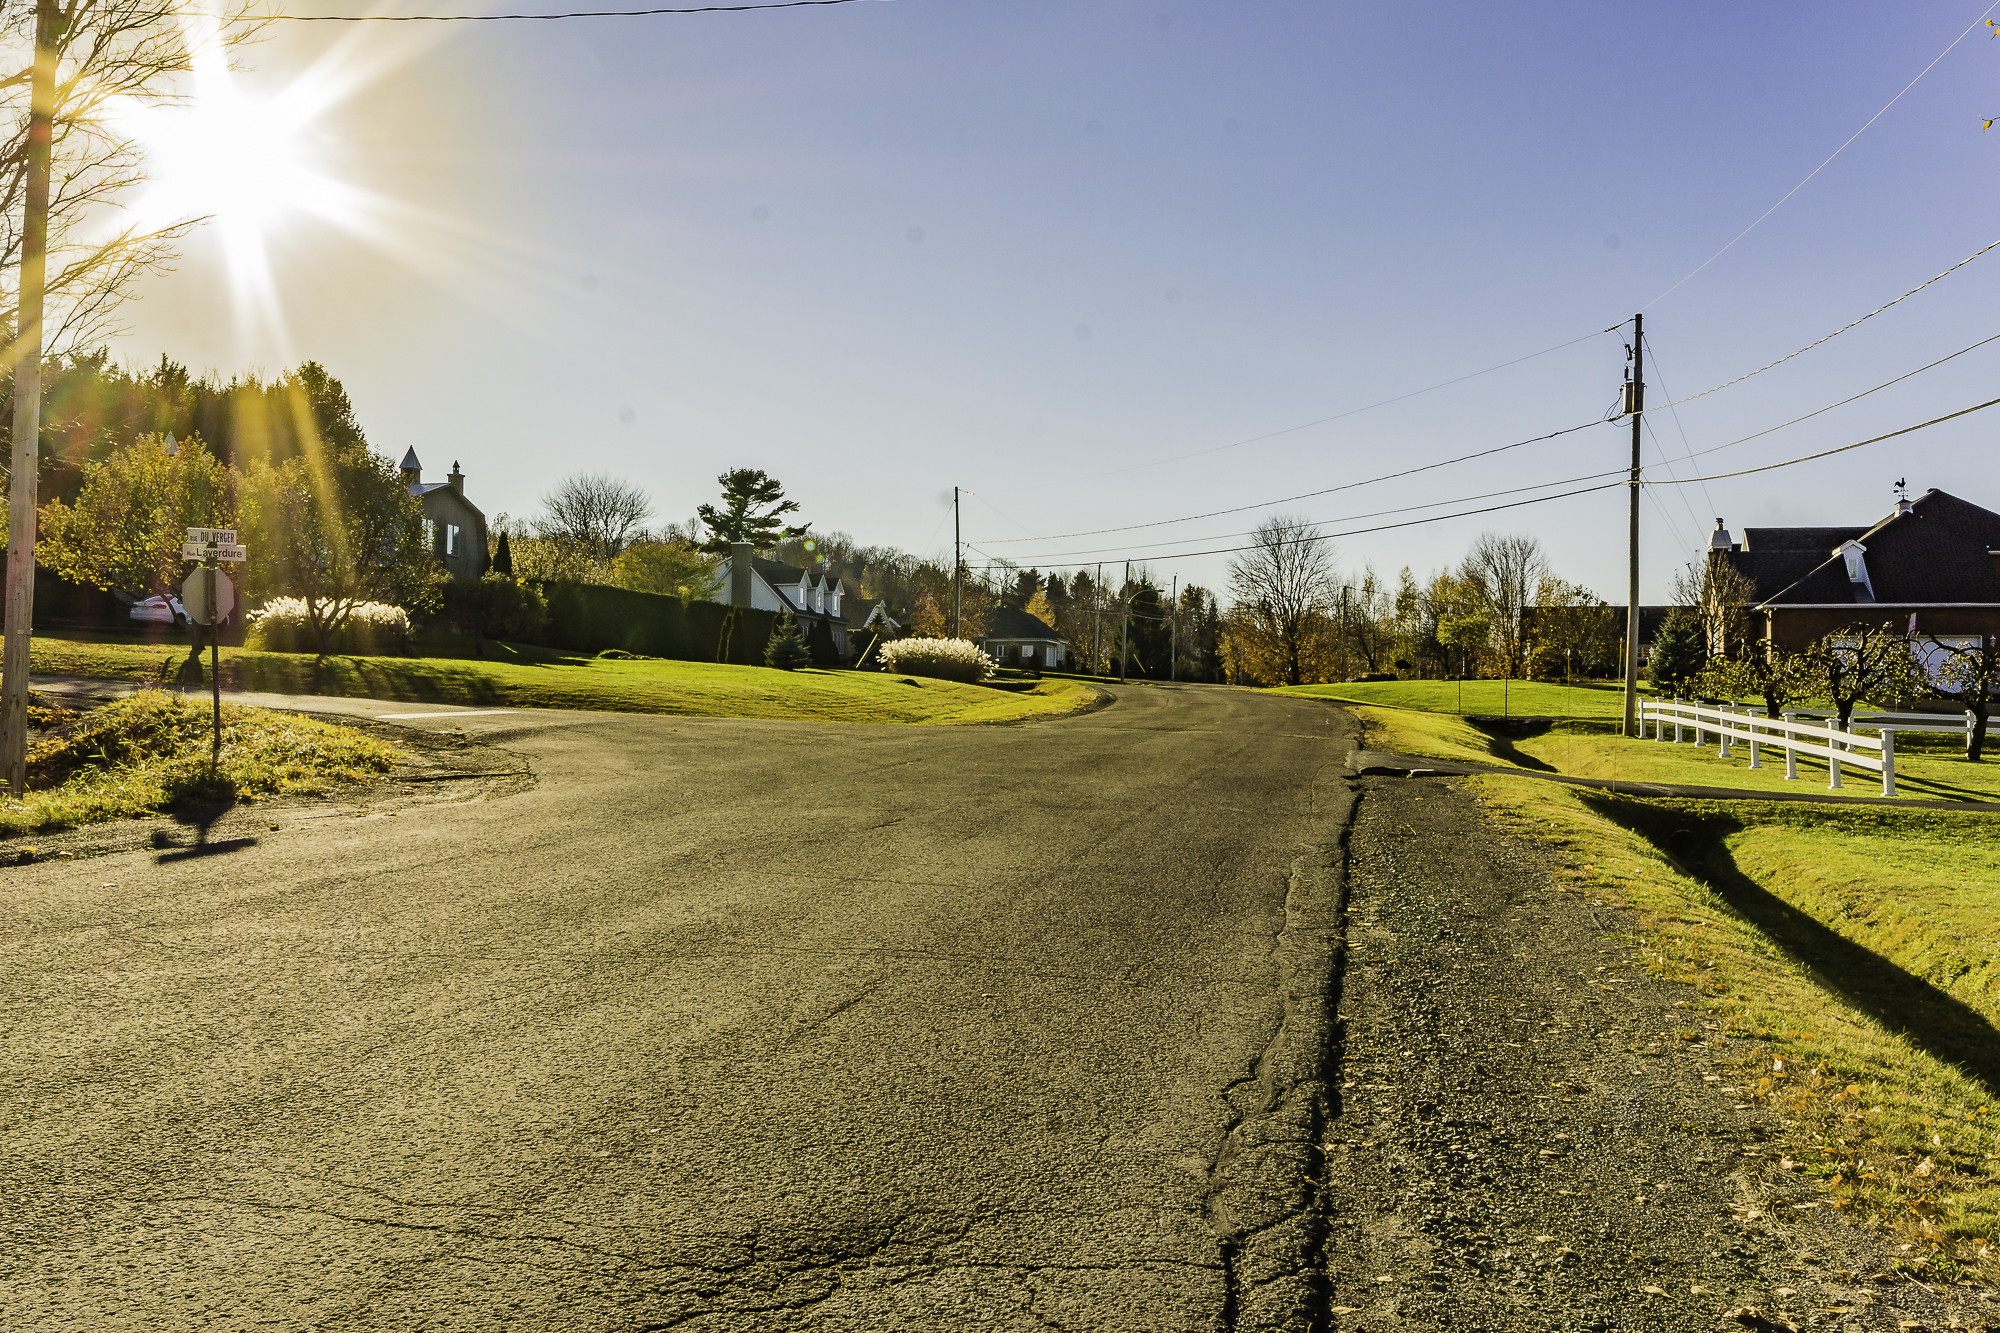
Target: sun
244	162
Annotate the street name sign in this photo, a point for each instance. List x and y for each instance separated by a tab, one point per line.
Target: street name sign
211	536
194	596
228	554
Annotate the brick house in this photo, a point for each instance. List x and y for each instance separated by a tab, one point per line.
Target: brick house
1931	566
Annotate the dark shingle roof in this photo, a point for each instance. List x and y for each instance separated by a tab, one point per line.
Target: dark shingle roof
1010	623
1937	552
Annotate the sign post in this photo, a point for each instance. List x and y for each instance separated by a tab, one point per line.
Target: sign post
208	597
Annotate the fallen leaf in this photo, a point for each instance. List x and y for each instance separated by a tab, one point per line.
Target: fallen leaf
1345	1309
1924	1167
1543	1240
1652	1291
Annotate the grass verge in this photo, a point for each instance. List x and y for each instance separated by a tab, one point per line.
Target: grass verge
1849	953
150	753
1497	698
515	677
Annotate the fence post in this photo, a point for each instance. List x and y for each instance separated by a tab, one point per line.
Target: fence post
1791	754
1888	761
1722	732
1677	719
1833	749
1751	717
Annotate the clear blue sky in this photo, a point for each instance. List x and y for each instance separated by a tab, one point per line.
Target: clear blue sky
1034	248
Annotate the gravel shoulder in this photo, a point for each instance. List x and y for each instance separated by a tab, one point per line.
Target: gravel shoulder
1531	1133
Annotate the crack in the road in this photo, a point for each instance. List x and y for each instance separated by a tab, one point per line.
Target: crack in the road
1262	1198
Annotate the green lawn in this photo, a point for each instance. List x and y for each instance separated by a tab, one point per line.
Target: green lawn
1927	767
530	678
1502	698
1850	953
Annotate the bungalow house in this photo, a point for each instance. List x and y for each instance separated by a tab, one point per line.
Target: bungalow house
458	528
1015	638
814	598
1931	565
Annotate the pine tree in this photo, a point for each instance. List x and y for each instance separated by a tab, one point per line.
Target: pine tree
503	558
786	650
1678	652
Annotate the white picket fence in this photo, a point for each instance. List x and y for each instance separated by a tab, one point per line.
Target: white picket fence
1749	725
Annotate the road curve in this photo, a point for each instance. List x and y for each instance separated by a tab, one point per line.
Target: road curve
719	1025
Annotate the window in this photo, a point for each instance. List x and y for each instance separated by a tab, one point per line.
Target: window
452	542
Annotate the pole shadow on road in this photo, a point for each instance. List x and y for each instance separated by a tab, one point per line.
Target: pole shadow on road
1932	1019
202	821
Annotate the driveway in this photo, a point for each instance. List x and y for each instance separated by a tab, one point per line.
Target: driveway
715	1025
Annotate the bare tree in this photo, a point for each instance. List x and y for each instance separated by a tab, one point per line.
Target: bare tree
110	53
598	514
1720	596
1503	573
1280	588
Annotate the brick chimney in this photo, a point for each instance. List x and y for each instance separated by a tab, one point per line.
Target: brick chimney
456	478
739	573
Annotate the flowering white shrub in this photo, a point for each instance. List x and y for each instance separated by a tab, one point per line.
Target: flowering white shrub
281	625
947	659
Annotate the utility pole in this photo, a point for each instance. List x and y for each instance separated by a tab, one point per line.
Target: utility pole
1097	644
1174	631
20	601
1125	625
1635	406
957	568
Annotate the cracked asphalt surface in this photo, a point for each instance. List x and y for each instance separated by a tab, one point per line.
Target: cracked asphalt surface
710	1025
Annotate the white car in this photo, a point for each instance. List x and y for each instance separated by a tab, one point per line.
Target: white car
160	609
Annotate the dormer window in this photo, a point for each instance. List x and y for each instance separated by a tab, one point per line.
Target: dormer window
1854	555
819	598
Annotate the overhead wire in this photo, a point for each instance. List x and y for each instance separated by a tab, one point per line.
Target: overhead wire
1836	333
1308	495
1585	490
1660	371
1822	166
1356	411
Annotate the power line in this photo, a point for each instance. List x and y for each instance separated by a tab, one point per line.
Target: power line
1309	495
581	14
1685	443
1828	453
1717	448
1837	332
1584	490
1822	166
1356	411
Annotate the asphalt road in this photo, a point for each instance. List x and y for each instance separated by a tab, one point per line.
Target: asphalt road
712	1025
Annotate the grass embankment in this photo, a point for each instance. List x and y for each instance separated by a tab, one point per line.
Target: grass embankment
1929	766
514	677
1498	698
150	753
1856	950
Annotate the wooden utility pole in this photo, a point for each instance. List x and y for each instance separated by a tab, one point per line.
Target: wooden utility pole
1635	406
1125	625
1097	642
1174	630
957	568
20	603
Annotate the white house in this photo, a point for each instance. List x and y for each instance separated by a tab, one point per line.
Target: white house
812	596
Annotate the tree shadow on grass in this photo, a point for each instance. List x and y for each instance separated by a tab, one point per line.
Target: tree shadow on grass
1928	1017
201	817
1501	734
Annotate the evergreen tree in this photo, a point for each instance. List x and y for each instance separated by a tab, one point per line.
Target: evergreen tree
786	650
753	502
1678	652
503	557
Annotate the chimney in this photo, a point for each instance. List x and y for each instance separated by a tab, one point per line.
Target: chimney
1905	506
739	573
1719	539
456	478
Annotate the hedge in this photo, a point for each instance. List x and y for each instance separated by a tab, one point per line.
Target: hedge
590	617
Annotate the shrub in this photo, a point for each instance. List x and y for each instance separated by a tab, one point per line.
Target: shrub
373	628
785	649
946	659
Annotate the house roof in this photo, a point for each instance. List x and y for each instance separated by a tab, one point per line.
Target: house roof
778	574
410	463
1935	551
1012	623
